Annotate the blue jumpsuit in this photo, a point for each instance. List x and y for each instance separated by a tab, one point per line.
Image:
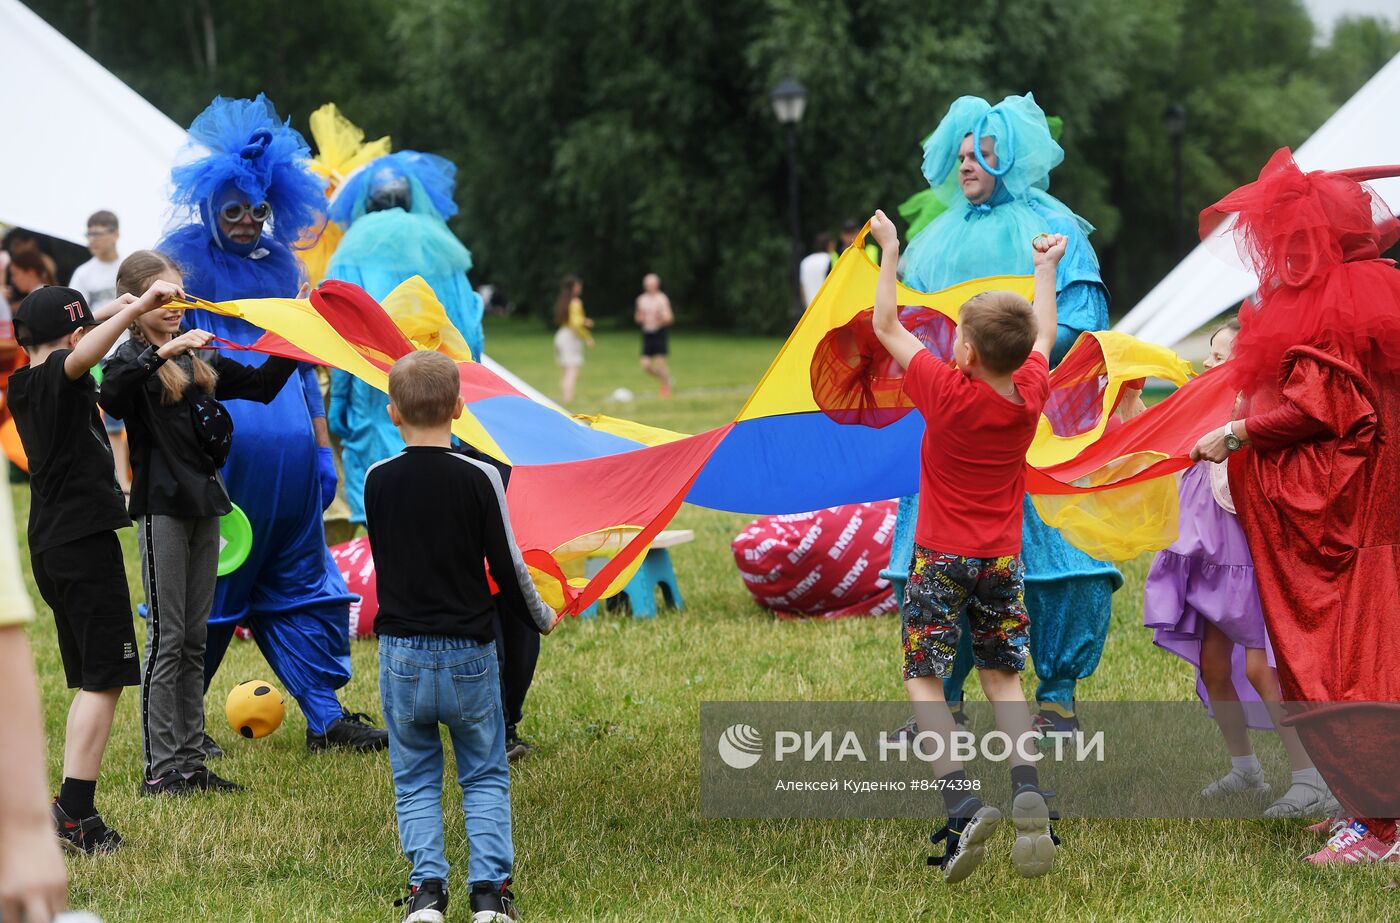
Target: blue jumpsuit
288	592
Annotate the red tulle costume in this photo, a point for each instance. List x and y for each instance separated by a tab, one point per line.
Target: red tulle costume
1318	489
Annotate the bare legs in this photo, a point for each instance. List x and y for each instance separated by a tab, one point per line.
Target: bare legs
567	380
89	726
1216	653
656	367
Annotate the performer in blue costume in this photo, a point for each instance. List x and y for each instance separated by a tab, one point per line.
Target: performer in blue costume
1002	156
254	197
395	210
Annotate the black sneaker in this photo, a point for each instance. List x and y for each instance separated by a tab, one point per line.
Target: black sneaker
425	903
515	747
966	838
205	780
491	904
172	783
211	748
353	731
1055	721
89	836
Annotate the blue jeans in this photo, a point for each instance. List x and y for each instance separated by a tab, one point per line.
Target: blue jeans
425	681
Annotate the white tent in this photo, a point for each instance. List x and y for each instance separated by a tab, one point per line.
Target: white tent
1364	132
83	140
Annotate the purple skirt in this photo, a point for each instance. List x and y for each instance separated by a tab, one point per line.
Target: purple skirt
1207	576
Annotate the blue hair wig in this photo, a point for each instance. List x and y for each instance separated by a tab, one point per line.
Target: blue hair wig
431	178
247	148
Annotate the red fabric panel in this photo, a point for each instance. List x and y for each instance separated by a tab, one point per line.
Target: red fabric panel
642	488
1172	427
856	381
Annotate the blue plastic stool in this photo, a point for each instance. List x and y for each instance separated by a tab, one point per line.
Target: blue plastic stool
902	546
640	592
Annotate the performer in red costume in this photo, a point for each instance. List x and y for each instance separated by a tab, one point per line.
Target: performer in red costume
1315	473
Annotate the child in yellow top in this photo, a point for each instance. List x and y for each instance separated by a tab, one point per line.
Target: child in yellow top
573	334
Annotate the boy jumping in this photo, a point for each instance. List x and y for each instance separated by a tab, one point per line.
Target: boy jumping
980	415
436	520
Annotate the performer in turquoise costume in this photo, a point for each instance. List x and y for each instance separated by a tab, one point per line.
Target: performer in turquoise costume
395	210
991	165
252	197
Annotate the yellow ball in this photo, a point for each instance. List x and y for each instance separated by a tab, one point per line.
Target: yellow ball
255	708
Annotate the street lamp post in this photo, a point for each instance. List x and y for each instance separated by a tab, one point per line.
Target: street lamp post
789	102
1174	120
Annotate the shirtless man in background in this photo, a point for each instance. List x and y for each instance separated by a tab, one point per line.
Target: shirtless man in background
654	316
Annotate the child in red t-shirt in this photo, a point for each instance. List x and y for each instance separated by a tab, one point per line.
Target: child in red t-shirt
980	415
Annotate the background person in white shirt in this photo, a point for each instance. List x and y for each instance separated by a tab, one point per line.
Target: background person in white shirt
97	280
814	266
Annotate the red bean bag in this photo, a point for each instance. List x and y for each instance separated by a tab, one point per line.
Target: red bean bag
825	564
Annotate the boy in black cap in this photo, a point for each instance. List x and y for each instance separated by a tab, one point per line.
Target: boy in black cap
74	511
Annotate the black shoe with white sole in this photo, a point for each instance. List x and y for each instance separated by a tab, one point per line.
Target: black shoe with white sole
491	904
426	903
966	838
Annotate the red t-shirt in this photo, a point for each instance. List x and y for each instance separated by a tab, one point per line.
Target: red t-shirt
972	472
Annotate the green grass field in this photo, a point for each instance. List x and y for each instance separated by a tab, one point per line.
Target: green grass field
607	823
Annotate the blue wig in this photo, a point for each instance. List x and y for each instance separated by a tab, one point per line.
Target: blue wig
431	180
244	153
252	154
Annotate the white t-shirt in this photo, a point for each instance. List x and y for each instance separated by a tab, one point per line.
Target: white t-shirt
812	271
96	280
98	283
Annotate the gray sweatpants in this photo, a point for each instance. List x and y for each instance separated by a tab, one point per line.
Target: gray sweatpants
179	561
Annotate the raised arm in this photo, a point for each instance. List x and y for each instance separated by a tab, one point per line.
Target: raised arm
900	343
96	343
1048	248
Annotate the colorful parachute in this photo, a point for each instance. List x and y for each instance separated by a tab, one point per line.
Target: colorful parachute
827	425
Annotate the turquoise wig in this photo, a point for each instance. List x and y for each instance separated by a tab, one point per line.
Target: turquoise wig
993	238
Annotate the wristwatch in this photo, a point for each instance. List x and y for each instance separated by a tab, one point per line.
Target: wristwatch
1232	442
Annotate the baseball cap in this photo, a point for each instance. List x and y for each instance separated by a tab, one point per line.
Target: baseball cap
50	313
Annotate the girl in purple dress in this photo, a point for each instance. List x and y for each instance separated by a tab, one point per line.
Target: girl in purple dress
1202	604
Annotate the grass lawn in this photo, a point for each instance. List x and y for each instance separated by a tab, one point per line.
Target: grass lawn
607	823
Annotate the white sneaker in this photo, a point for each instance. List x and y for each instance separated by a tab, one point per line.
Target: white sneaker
1033	853
1237	783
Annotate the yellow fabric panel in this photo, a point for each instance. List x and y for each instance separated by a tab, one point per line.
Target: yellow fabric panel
416	311
1120	523
787	387
627	429
1126	358
15	604
297	322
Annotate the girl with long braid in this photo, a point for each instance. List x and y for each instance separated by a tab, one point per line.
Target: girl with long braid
180	435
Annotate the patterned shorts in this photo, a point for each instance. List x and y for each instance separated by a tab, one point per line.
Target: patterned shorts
944	587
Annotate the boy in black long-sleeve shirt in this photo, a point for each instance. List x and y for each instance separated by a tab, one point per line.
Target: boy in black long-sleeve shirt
436	520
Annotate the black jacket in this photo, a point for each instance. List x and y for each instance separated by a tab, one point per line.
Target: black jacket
172	474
